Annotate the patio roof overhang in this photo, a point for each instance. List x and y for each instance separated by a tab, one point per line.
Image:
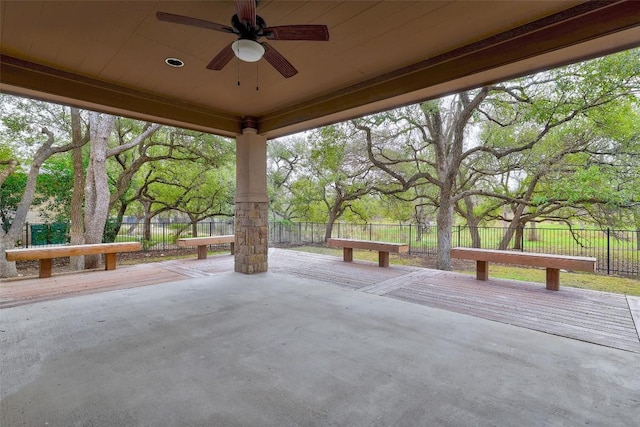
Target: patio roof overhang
109	56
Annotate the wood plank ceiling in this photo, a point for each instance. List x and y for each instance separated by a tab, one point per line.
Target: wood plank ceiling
109	55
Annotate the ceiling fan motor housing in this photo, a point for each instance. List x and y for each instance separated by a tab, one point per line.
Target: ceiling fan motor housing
246	31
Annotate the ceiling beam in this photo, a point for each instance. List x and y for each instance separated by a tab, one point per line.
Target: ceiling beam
562	30
611	25
24	78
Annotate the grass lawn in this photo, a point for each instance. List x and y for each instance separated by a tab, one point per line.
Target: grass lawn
598	282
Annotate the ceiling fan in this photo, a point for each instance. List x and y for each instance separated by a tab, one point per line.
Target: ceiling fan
249	28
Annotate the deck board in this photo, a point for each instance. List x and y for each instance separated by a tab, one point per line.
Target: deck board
602	318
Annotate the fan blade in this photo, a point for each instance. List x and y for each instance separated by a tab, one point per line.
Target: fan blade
221	58
298	32
278	61
246	10
193	22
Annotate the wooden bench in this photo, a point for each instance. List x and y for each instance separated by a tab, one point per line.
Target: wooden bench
553	263
383	248
203	242
46	254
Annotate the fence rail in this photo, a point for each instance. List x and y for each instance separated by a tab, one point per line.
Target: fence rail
617	251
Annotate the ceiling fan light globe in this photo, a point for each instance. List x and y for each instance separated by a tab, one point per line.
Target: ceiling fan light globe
247	50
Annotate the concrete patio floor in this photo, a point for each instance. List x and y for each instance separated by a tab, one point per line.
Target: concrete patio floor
293	347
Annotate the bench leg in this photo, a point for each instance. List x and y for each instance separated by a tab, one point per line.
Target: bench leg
202	252
347	254
482	270
383	259
553	279
109	261
233	248
45	268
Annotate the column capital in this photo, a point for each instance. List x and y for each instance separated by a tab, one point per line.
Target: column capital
249	123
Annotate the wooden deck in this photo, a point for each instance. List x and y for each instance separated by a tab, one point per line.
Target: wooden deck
597	317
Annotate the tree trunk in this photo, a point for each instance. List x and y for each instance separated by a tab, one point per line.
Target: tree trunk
533	233
508	235
77	211
146	229
7	268
445	225
517	244
329	227
505	215
97	193
8	240
474	231
119	216
423	220
511	229
335	210
194	228
132	228
472	221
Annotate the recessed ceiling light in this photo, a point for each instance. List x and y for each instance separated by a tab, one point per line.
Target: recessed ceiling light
174	62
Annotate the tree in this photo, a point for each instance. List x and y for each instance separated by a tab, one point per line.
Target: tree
324	178
97	193
574	121
431	150
343	175
434	143
284	156
199	192
9	238
176	170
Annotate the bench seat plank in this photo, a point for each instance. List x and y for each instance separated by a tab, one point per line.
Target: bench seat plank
531	259
46	254
552	263
70	250
203	242
383	248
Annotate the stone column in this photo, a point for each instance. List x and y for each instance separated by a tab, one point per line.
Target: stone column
251	204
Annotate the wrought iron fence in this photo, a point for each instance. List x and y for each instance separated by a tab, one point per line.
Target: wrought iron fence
617	251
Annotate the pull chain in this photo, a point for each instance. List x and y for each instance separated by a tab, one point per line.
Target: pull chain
257	82
238	61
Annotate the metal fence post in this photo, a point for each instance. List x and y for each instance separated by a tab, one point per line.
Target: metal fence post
26	242
608	250
459	233
410	240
